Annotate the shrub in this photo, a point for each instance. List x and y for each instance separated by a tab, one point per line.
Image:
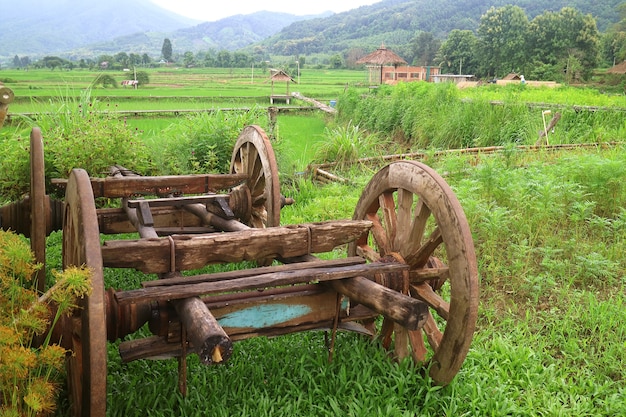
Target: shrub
204	142
78	133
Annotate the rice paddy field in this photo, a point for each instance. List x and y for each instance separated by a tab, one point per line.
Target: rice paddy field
549	228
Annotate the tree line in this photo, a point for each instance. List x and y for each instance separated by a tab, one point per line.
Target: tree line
560	45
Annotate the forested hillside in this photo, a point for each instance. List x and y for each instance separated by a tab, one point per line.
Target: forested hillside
396	22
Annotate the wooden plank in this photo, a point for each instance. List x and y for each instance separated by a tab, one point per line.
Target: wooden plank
177	201
194	252
115	221
222	276
129	186
312	275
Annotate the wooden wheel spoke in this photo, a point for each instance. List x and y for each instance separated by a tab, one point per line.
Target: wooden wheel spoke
257	177
425	293
386	333
379	233
388	208
365	251
419	258
405	205
415	231
418	348
433	334
401	342
259	200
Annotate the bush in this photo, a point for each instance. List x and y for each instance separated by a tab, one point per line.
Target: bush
78	133
203	142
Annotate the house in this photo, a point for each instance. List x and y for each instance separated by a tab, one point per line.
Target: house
386	67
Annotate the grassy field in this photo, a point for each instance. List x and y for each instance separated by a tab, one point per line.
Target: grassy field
549	230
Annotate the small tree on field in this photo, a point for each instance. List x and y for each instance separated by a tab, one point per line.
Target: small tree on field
105	80
166	50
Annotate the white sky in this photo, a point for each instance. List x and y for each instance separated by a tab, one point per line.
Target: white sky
213	10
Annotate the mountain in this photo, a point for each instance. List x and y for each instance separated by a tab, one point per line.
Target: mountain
396	22
47	27
231	33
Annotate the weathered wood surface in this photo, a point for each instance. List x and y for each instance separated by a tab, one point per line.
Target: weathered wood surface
204	332
243	273
260	282
115	221
212	343
407	311
177	201
154	255
315	303
128	186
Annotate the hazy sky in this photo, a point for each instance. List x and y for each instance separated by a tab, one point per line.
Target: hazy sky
214	10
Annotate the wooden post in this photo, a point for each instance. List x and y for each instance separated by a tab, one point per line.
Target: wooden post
407	311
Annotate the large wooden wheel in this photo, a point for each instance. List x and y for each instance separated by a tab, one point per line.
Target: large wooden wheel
253	155
87	368
418	220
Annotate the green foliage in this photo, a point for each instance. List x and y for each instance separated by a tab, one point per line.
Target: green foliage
441	116
166	50
78	133
204	142
142	77
30	375
344	145
105	80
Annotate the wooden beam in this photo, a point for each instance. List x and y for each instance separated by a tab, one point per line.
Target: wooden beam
127	186
154	255
403	309
312	275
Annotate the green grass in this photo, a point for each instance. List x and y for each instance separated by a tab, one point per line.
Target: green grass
549	230
550	340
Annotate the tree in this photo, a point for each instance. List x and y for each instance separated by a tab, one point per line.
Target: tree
142	77
502	37
166	50
145	59
561	38
223	59
424	48
17	62
53	62
457	52
188	59
336	61
613	47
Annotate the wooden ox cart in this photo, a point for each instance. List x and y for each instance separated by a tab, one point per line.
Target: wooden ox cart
409	278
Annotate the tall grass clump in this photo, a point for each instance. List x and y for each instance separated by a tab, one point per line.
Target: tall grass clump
30	374
441	116
78	132
203	142
345	144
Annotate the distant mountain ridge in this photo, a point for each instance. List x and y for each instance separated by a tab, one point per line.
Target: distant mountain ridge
396	22
48	27
87	28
